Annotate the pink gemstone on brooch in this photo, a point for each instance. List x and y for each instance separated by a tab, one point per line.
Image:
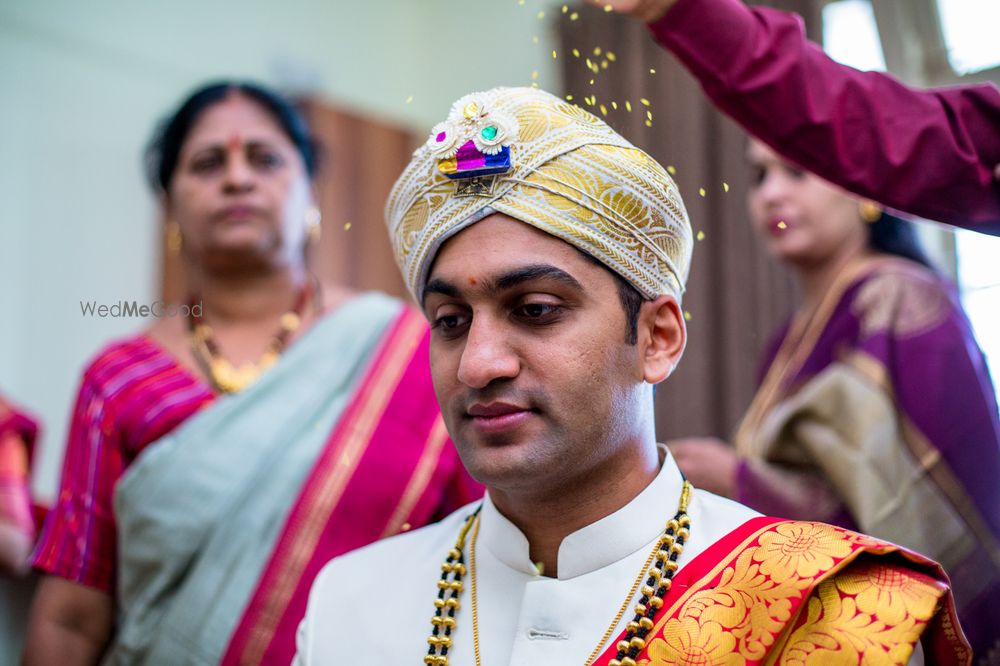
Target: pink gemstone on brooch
441	136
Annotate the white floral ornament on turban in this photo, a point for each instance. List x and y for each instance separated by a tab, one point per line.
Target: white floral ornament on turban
489	131
531	155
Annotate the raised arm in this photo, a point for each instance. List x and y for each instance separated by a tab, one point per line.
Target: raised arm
934	153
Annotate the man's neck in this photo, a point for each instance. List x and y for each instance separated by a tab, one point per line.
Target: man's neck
546	518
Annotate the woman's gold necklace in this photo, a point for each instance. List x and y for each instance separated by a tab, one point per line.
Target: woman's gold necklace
659	577
224	376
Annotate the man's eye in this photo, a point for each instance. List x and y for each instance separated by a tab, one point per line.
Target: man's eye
449	322
537	311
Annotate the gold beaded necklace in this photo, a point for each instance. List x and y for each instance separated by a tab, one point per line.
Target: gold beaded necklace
224	376
658	570
449	590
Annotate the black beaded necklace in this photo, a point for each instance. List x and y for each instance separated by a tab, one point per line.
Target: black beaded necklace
447	604
658	582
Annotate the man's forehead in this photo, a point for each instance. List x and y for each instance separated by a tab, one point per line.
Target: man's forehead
488	285
501	240
500	252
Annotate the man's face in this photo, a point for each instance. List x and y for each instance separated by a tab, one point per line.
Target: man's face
528	353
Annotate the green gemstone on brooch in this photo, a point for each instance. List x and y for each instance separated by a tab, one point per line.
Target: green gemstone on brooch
489	132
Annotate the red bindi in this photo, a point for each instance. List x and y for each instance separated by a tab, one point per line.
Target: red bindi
472	281
233	142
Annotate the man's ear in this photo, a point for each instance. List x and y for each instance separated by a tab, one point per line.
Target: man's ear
662	337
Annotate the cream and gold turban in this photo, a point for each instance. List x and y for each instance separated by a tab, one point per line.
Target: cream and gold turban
550	164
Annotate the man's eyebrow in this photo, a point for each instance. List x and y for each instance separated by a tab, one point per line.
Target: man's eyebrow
439	286
534	272
505	281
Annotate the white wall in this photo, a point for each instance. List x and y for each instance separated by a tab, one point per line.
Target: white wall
81	85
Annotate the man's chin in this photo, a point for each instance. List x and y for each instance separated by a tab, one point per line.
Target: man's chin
499	461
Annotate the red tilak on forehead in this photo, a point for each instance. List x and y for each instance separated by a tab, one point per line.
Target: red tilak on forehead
234	142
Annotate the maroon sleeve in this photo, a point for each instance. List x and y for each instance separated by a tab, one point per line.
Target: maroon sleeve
929	153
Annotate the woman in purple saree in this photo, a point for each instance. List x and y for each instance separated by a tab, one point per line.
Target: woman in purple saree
875	410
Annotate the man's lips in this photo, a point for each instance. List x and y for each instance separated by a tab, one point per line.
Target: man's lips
498	416
494	409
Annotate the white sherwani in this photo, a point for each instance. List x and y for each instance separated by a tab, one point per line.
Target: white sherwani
374	605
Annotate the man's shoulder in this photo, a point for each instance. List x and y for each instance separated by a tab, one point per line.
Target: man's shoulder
404	570
715	517
820	578
404	554
822	544
802	554
839	569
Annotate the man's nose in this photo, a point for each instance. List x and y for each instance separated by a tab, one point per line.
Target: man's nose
487	355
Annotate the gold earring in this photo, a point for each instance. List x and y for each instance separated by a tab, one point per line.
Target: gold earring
175	241
314	230
870	211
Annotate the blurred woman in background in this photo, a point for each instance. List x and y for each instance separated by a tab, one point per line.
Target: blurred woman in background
876	410
216	460
18	433
18	516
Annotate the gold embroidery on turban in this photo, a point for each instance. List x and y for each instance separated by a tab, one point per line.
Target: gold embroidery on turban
571	176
